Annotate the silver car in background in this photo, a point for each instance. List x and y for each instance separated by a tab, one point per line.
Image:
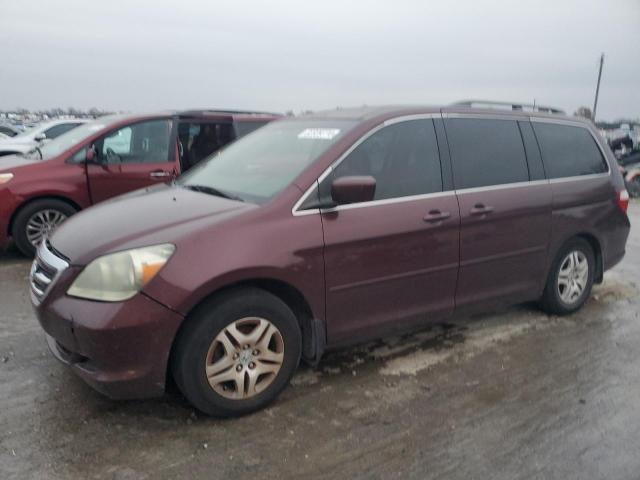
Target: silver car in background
27	141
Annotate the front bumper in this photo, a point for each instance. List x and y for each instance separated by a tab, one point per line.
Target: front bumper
120	349
8	206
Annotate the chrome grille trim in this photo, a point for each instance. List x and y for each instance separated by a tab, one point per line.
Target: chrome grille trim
45	270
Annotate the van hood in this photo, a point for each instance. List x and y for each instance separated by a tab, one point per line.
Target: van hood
160	214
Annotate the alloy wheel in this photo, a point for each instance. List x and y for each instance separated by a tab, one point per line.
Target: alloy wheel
42	223
573	277
244	358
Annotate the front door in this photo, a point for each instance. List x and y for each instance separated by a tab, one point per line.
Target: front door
393	261
132	157
505	210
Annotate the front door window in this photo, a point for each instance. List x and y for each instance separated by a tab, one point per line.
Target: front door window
144	142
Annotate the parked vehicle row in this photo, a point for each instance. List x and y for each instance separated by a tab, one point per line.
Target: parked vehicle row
630	169
8	131
31	139
105	158
317	232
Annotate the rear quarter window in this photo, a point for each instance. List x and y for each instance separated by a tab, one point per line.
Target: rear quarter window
486	152
568	151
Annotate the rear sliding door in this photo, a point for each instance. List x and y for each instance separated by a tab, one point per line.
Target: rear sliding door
505	209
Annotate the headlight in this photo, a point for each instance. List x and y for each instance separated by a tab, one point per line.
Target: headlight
5	177
119	276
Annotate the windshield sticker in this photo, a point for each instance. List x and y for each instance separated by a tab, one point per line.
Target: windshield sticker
319	133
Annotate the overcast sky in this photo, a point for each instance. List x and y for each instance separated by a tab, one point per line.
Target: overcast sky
317	54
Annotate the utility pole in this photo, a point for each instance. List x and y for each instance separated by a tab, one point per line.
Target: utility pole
595	102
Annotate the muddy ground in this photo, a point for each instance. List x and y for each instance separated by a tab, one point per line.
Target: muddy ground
507	395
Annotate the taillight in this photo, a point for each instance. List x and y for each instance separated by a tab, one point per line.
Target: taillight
623	200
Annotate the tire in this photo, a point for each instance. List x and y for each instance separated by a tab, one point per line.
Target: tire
47	208
558	297
198	352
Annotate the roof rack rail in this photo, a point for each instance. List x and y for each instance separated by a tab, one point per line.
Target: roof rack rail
196	111
510	105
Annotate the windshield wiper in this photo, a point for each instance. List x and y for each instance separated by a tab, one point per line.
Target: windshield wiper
212	191
39	152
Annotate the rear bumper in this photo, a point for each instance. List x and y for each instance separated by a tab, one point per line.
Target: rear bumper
613	260
616	241
119	349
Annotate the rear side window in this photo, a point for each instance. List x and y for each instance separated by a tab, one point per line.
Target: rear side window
7	131
200	140
403	158
568	151
486	152
58	130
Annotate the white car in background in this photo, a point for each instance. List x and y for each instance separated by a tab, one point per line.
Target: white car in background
8	131
43	132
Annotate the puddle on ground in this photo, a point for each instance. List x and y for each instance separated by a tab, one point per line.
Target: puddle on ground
462	339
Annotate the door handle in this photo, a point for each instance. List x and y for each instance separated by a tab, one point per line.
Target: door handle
435	216
480	209
159	174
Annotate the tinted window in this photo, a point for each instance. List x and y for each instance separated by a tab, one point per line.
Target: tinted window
145	142
486	152
403	158
58	130
568	151
7	131
199	140
244	128
534	159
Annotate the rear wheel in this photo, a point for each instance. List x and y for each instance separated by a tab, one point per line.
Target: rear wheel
237	352
571	278
36	221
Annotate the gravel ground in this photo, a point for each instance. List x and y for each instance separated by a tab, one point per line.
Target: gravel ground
506	395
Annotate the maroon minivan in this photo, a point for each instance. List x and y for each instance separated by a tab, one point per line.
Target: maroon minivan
105	158
322	231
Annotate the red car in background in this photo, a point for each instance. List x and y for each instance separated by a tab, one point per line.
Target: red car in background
105	158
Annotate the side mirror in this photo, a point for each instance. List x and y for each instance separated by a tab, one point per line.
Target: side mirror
91	154
40	137
354	189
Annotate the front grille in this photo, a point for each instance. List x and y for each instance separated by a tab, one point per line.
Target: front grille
46	268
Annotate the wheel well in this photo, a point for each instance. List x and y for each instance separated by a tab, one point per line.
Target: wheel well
31	200
597	250
312	346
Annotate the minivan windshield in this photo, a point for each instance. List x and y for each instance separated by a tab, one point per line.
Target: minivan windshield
67	140
259	166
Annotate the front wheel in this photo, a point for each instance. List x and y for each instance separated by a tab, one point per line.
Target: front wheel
237	352
36	221
570	279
